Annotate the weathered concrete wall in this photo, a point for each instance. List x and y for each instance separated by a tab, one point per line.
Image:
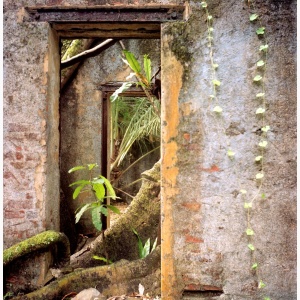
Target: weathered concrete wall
81	114
204	244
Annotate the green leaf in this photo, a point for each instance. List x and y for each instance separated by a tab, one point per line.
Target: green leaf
76	168
260	31
267	298
259	176
113	209
249	231
92	166
132	61
211	96
265	128
263	144
125	86
218	109
254	266
258	158
215	66
260	110
203	4
154	245
251	247
99	190
209	17
102	258
98	180
243	192
83	209
263	48
260	63
260	95
257	78
147	67
230	153
77	191
146	249
247	205
104	210
263	196
110	190
253	17
96	217
210	29
81	182
261	284
216	82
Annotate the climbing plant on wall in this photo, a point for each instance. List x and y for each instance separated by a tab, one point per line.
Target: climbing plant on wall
259	81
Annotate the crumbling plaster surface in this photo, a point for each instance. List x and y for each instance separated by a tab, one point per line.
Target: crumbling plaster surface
81	113
203	216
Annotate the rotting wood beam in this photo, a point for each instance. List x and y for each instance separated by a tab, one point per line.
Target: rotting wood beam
101	13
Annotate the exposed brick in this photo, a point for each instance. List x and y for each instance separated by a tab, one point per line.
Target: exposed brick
192	239
20	204
19	155
18	165
193	206
213	168
14	214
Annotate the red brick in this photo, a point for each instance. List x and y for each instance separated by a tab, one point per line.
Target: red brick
15	127
14	214
192	239
19	155
193	206
23	204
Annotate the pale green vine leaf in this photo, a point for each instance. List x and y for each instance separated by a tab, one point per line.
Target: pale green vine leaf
259	175
253	17
215	66
247	205
203	4
254	266
260	95
218	109
258	158
257	78
260	31
263	144
263	48
243	191
249	231
230	153
263	196
260	110
261	284
251	247
210	29
265	128
216	82
209	17
260	63
211	96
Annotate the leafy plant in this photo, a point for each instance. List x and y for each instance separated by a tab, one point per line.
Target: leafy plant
100	188
144	250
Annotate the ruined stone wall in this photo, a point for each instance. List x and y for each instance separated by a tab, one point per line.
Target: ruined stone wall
204	219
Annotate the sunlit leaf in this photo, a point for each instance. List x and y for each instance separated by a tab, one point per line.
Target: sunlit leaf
76	168
203	4
230	153
253	17
209	17
92	166
210	29
218	109
216	82
215	66
78	190
83	209
102	258
265	128
263	48
263	196
259	176
254	266
96	217
260	110
260	63
260	30
147	67
110	190
261	284
132	61
263	144
260	95
258	158
99	190
243	191
249	231
80	182
251	247
257	78
247	205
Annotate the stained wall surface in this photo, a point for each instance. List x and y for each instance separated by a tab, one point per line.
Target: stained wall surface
204	245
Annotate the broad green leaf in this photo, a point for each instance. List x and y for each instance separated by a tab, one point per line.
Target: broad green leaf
81	211
92	166
146	250
96	217
80	182
243	191
259	175
253	17
99	190
263	48
263	144
132	61
251	247
140	244
230	153
216	82
260	63
257	78
113	208
125	86
76	168
98	180
260	95
104	210
249	231
260	110
110	190
218	109
247	205
258	158
254	266
147	67
261	284
260	31
203	4
265	128
78	190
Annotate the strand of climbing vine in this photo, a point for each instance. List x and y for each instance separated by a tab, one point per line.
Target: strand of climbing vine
260	112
